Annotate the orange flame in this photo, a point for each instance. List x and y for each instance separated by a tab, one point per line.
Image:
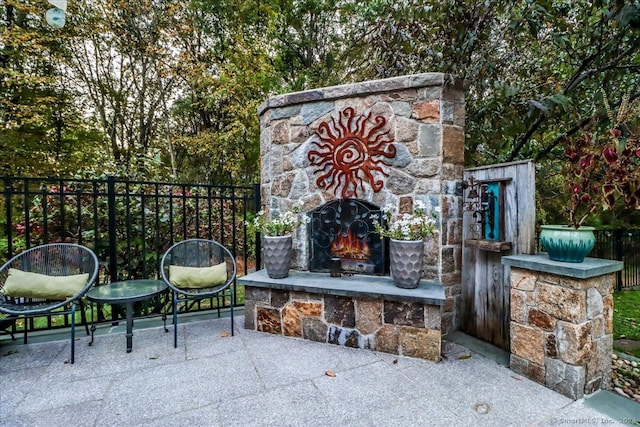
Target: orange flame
350	247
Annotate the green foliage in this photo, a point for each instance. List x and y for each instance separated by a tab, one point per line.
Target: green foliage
18	245
127	83
530	67
310	38
217	134
224	75
121	55
41	124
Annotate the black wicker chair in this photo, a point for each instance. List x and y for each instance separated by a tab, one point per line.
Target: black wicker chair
48	280
6	325
196	269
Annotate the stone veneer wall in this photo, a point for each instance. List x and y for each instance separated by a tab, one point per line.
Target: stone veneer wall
561	330
425	118
408	329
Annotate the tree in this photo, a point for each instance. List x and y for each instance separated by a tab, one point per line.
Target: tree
122	58
41	125
309	38
174	86
225	74
528	65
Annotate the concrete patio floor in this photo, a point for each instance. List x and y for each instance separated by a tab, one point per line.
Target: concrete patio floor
256	379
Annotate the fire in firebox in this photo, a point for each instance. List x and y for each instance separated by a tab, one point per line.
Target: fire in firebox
350	247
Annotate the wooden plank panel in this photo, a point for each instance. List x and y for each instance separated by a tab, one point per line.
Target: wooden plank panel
467	303
485	281
482	317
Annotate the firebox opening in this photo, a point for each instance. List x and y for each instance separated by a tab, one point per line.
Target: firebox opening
344	229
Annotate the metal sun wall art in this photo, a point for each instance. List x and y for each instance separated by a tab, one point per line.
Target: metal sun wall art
349	152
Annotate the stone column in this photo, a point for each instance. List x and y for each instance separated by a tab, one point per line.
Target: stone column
562	322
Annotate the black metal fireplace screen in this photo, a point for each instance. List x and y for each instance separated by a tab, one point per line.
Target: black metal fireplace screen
343	229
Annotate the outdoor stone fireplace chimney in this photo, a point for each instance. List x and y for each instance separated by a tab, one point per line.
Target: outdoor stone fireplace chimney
386	142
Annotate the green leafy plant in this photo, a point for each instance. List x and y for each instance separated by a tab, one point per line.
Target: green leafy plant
280	224
417	226
603	168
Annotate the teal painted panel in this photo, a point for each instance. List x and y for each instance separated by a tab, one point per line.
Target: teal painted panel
492	213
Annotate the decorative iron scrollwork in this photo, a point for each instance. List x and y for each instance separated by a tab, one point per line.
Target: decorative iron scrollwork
472	203
343	231
483	200
489	196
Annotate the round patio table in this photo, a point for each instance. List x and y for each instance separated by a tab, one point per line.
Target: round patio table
126	292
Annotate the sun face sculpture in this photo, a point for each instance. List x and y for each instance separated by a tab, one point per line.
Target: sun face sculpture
351	151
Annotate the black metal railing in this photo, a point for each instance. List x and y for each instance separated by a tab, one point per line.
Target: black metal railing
128	224
621	245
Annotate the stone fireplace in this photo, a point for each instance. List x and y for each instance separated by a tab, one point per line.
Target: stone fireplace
344	152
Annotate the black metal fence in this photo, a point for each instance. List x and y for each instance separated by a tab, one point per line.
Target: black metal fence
621	245
128	224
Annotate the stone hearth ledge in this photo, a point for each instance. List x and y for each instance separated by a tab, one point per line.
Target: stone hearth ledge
359	311
361	286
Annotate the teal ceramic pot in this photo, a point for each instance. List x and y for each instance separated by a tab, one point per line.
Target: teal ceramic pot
567	244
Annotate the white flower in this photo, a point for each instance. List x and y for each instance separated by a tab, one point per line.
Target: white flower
416	226
279	225
389	209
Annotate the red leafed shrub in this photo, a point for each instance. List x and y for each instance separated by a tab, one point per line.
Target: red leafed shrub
603	168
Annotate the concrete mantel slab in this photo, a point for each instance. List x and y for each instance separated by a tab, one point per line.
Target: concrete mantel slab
591	267
352	286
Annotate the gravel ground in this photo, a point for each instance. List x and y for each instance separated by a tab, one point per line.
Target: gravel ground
626	376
